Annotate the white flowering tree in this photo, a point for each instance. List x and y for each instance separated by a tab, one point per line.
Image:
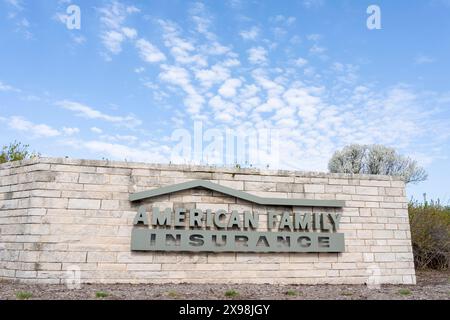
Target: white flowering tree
376	159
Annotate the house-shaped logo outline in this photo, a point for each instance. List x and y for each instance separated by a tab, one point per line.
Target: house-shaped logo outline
235	193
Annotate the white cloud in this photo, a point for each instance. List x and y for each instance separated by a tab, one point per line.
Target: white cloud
113	15
250	34
133	9
24	23
90	113
224	111
17	4
179	76
312	3
231	63
117	151
149	52
114	32
215	48
78	39
270	105
295	40
309	71
183	50
249	90
194	102
129	32
290	20
300	62
175	75
70	131
337	66
16	14
208	77
316	49
112	40
422	59
34	130
118	137
228	89
314	37
257	55
7	87
96	130
263	79
279	33
61	17
202	20
307	104
284	20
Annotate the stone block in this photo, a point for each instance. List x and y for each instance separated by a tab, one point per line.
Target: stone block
101	256
84	204
110	204
385	257
314	188
94	178
260	186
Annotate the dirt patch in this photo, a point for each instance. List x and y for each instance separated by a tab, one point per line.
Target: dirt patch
430	285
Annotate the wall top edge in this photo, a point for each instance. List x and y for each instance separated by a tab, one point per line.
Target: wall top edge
192	168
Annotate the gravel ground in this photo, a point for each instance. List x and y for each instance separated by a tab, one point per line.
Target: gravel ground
430	285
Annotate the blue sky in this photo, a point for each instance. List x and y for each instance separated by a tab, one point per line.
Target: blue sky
137	77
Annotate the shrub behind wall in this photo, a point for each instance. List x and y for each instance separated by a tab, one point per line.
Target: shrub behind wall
430	235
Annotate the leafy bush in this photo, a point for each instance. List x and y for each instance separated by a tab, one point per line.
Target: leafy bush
16	151
430	234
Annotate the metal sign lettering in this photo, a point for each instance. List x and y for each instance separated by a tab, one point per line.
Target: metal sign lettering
198	230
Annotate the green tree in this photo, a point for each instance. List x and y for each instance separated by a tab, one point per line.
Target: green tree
376	159
16	151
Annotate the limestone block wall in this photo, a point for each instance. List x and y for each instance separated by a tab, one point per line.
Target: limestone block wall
63	214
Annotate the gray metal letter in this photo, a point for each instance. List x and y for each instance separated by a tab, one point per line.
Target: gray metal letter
302	223
272	219
286	221
219	223
141	217
251	219
335	218
195	217
180	215
161	219
235	220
